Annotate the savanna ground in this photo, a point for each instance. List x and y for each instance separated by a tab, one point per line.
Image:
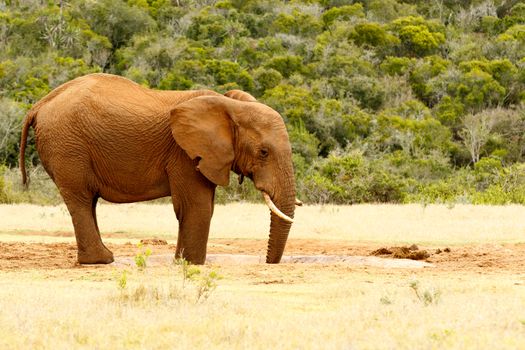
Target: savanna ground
472	296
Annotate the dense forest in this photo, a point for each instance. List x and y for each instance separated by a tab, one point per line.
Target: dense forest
384	100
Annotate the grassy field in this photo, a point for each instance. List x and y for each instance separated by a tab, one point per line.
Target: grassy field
259	306
433	224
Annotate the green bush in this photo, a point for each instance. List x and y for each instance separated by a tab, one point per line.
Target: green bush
349	179
342	13
266	79
454	188
396	65
372	34
4	195
418	37
115	20
286	65
297	23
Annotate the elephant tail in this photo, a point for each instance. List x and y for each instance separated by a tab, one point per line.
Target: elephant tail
28	122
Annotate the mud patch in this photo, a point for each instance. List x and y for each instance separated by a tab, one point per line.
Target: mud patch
413	252
154	241
240	259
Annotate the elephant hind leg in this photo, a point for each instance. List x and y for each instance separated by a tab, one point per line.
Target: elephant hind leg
94	212
91	250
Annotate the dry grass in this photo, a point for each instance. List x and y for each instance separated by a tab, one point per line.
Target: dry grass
263	307
433	224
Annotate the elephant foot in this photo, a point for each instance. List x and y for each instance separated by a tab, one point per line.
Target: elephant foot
194	260
100	256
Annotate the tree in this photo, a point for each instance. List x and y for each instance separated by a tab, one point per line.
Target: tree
476	130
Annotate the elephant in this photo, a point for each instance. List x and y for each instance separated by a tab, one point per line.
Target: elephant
104	136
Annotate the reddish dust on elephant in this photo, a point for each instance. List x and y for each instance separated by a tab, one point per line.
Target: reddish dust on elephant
104	136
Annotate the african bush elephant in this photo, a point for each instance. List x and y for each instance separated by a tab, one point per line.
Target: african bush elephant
104	136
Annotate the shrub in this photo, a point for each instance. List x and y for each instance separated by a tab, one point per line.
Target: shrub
297	23
396	65
350	178
367	90
210	27
286	65
266	79
425	71
4	195
342	13
418	37
115	20
371	34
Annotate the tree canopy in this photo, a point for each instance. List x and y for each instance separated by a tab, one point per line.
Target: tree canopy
384	100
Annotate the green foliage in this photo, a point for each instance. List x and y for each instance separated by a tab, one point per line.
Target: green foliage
372	34
266	79
367	90
477	90
42	189
342	13
388	10
189	272
141	258
351	179
414	136
122	281
425	72
297	23
208	26
383	100
286	65
116	20
418	36
206	285
11	115
4	193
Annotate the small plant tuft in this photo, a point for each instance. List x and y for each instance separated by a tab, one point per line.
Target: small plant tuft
428	296
141	259
122	281
385	300
207	285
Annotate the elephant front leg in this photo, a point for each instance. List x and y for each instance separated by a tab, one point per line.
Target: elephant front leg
194	209
194	228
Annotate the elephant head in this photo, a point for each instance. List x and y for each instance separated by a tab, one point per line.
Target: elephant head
248	138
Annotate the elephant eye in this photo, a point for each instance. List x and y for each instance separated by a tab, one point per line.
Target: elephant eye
263	152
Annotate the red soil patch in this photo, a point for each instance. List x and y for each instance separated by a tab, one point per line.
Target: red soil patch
486	258
413	252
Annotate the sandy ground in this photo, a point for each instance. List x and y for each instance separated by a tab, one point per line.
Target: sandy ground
479	258
483	239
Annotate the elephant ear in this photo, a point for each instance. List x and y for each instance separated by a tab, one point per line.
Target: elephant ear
202	128
240	95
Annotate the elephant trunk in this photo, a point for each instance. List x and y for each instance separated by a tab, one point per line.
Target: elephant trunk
280	227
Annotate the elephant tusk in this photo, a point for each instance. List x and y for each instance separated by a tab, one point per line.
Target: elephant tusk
298	202
274	209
